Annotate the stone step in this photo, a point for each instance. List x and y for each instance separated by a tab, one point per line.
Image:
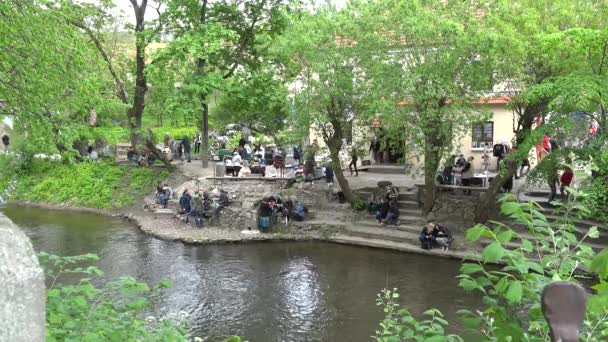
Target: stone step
382	233
400	246
405	220
164	213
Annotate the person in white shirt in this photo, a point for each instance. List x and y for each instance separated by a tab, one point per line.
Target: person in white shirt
236	164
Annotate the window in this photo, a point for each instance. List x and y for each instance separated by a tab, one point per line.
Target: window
482	134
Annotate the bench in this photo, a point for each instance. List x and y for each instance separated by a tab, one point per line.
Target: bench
449	187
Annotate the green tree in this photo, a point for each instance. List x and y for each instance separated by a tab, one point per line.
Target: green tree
258	101
432	59
552	62
213	41
327	79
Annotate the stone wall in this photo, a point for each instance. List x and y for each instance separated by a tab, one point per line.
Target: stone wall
22	294
455	210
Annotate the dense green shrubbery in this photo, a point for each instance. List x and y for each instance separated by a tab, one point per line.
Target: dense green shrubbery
82	311
118	134
94	185
512	293
596	199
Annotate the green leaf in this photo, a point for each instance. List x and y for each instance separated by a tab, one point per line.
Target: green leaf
470	268
468	284
599	264
593	233
473	234
509	208
514	292
436	339
527	246
505	236
493	252
501	286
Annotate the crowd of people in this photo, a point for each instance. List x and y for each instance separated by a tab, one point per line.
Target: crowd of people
199	204
271	207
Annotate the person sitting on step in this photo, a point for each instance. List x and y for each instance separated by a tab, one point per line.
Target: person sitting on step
392	216
381	210
426	236
442	237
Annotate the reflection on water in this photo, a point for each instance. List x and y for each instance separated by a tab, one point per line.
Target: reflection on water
304	291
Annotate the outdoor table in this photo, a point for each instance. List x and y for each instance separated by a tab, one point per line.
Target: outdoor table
484	179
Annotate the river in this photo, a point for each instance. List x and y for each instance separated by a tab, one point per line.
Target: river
288	291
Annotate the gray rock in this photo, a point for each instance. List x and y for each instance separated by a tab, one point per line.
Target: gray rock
22	294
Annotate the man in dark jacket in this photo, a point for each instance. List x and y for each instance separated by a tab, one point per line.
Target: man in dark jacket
184	203
186	146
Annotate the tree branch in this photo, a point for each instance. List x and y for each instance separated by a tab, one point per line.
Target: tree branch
249	33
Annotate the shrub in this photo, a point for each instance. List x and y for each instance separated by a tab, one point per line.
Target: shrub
512	292
82	311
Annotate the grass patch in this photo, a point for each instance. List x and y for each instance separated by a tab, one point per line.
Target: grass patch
93	185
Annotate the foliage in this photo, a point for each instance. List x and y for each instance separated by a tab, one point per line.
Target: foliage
400	325
80	310
510	279
358	204
258	101
94	185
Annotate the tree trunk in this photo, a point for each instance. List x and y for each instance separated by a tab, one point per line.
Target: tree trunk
135	113
205	132
342	181
150	146
431	162
200	70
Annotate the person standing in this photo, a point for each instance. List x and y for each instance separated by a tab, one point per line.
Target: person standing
566	181
296	154
197	143
236	163
467	174
167	140
374	147
198	207
353	161
186	146
185	205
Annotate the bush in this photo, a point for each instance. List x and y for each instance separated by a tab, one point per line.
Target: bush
94	185
596	198
512	292
82	311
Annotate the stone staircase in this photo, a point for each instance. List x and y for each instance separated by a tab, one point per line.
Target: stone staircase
366	231
581	226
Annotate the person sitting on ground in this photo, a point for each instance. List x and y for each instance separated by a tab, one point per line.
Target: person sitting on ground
161	196
236	164
372	203
288	208
222	202
566	181
264	213
132	155
198	207
467	174
392	193
392	216
299	211
185	205
168	191
442	236
381	210
426	236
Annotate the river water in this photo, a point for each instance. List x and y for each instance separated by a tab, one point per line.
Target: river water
290	291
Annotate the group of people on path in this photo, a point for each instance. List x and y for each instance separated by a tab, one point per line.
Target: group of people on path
181	149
